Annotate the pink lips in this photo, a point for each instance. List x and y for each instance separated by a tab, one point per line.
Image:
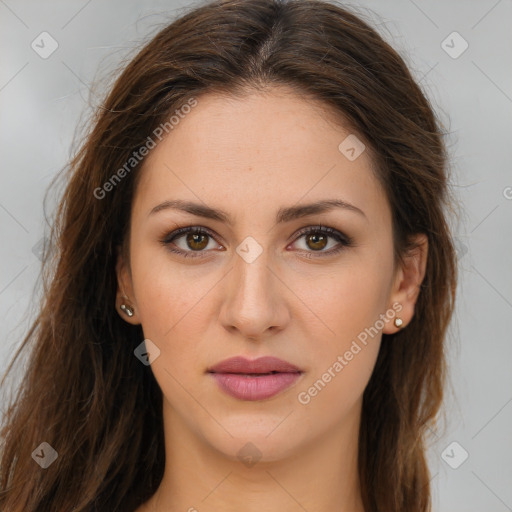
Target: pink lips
254	380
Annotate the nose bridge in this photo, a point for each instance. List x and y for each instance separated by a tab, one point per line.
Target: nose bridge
252	304
253	276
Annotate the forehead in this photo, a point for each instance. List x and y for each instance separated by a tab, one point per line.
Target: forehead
260	149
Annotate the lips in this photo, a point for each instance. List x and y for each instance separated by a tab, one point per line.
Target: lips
257	379
261	365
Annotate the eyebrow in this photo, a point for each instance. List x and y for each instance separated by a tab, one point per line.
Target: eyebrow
283	215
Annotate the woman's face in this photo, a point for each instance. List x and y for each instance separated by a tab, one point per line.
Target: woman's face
268	282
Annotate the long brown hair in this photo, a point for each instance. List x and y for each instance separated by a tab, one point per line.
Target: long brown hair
84	392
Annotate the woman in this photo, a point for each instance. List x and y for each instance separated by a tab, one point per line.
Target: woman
251	281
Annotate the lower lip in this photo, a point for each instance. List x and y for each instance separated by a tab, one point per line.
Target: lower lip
246	387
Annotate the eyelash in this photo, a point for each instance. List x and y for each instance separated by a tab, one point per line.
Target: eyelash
344	240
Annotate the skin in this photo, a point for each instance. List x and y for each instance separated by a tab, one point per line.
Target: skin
251	156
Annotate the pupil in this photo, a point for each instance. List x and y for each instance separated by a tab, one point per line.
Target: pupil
194	238
317	239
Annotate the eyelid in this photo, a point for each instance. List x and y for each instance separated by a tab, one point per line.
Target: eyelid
331	232
168	239
187	229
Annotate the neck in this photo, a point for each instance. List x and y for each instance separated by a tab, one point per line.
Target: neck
319	477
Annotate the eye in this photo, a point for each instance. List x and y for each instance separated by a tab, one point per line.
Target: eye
316	239
193	241
189	242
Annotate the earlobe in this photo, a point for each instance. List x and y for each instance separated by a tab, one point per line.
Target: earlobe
127	309
407	284
124	305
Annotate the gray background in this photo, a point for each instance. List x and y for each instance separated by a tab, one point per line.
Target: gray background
43	100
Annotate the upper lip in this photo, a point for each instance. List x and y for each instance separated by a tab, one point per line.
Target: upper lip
266	364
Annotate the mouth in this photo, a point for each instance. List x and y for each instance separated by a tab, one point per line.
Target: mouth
257	379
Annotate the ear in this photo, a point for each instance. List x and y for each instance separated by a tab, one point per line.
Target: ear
125	295
407	283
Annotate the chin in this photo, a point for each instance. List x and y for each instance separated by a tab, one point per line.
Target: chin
254	443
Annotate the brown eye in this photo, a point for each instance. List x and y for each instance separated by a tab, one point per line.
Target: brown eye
191	242
322	240
197	241
316	241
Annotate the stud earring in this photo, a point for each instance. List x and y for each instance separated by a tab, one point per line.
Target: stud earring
127	309
399	322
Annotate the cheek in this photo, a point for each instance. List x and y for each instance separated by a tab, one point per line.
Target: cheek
346	299
171	301
349	302
342	363
334	393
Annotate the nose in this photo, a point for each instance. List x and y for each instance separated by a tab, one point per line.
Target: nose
254	304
